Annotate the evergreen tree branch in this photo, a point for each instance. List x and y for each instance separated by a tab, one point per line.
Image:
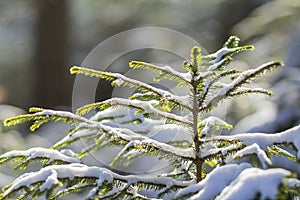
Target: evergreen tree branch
148	107
210	82
206	189
45	116
75	135
209	127
165	70
217	152
119	79
243	78
143	141
48	156
254	149
73	189
52	175
221	54
125	134
264	140
247	91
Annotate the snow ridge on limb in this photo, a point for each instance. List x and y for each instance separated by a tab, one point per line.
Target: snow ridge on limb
149	107
243	78
254	181
209	126
233	182
48	156
264	140
212	79
218	60
52	176
122	119
125	135
119	79
128	135
42	116
264	160
165	70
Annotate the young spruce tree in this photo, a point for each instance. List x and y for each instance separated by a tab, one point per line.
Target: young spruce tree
205	166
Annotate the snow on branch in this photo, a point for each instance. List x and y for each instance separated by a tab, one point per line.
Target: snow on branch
263	140
119	79
253	181
49	155
157	129
121	134
209	126
119	129
223	56
247	91
119	116
225	52
144	141
243	78
211	80
292	184
43	116
210	151
214	182
149	107
254	149
163	70
128	135
74	136
219	64
55	175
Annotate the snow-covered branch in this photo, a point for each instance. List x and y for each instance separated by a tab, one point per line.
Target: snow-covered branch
149	107
254	149
253	181
55	175
263	140
120	79
243	78
52	156
128	135
163	70
207	188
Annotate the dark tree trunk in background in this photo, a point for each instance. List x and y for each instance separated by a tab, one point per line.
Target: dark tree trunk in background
53	83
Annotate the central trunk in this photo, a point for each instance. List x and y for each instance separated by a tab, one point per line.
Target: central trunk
198	161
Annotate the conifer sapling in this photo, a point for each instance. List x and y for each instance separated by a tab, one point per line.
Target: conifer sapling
206	165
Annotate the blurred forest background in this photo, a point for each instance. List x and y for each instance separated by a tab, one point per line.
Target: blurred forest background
41	40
